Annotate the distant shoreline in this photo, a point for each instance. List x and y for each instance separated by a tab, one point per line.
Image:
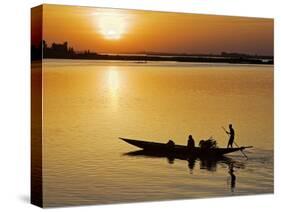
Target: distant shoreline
193	59
62	51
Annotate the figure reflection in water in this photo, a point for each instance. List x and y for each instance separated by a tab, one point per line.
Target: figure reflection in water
171	159
191	164
232	177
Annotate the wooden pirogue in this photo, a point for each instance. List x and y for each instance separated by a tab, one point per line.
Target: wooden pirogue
181	150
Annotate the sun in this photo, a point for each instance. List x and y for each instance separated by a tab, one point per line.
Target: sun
112	34
111	24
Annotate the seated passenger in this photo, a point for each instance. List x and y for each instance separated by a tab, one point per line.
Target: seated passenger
190	142
171	144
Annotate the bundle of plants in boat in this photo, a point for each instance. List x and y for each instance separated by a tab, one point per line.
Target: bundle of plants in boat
208	144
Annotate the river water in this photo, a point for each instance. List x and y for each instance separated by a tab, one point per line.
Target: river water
87	105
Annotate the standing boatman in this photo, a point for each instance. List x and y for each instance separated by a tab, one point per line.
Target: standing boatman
231	136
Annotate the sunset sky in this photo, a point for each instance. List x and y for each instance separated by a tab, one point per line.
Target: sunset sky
130	31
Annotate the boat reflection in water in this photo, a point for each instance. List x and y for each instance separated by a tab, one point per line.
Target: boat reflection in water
209	164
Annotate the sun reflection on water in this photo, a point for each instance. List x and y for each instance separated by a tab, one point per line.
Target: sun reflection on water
113	85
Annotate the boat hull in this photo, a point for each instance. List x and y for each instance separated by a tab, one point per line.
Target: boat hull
180	150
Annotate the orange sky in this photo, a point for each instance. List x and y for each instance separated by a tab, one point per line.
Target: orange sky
123	31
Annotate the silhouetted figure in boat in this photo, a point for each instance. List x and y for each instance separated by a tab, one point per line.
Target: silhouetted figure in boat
190	142
171	144
232	177
231	136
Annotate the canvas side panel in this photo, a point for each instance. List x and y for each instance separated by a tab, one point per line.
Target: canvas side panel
36	106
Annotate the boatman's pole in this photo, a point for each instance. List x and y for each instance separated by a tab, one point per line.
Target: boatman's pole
236	144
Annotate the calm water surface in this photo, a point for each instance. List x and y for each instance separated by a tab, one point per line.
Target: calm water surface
89	104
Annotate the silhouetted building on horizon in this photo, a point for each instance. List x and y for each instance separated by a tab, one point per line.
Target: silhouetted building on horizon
58	50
